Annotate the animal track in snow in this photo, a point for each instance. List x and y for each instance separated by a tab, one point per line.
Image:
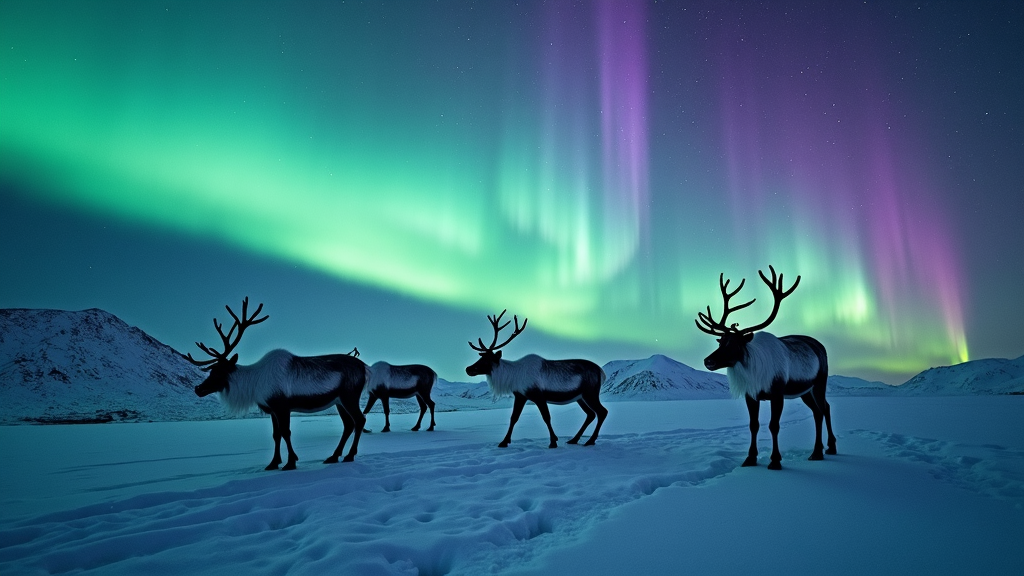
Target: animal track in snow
989	469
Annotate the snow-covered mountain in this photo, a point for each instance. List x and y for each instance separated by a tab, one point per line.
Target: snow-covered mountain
850	386
89	366
660	378
989	376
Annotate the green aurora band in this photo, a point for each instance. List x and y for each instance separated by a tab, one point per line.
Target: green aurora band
434	156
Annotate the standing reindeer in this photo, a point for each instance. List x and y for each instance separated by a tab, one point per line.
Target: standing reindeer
387	381
762	367
540	381
282	383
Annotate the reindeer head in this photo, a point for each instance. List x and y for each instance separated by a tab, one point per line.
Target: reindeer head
220	366
732	340
490	356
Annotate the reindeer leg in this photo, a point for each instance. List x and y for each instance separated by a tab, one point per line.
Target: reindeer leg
347	424
602	413
773	426
827	411
386	404
430	404
753	409
285	417
423	411
546	415
275	462
369	404
517	409
590	418
352	407
809	399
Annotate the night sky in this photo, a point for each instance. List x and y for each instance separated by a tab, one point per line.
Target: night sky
384	175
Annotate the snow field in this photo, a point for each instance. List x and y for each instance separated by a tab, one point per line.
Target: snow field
660	491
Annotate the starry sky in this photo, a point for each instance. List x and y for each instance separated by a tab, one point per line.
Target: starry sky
386	174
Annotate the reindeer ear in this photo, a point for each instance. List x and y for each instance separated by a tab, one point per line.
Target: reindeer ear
748	336
234	360
497	355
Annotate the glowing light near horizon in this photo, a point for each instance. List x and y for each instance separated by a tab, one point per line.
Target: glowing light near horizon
530	191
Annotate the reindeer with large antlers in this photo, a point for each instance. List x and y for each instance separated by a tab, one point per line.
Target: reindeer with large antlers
540	381
282	383
762	367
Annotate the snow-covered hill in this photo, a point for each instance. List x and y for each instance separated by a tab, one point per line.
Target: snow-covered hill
989	376
850	386
660	378
89	366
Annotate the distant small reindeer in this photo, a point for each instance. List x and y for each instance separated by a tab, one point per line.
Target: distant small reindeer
282	383
388	381
763	367
540	381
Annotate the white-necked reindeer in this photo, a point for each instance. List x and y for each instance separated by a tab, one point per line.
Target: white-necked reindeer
387	381
763	367
282	383
540	381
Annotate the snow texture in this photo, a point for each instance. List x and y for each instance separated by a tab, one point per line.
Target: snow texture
59	366
921	485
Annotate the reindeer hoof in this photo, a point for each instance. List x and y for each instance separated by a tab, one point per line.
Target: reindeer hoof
573	441
817	456
331	460
289	466
750	461
349	458
590	442
775	466
273	466
386	430
831	451
367	431
503	445
431	429
553	445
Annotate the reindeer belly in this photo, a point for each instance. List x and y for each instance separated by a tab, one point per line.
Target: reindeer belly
553	396
303	404
791	389
383	391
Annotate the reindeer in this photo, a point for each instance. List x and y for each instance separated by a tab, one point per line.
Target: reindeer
282	383
540	381
387	381
762	367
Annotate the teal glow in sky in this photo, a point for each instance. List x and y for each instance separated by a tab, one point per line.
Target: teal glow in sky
592	166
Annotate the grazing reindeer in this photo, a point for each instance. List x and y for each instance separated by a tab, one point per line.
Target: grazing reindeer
540	381
763	367
387	381
282	383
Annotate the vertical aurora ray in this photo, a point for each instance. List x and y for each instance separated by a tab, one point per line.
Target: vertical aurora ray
818	182
457	158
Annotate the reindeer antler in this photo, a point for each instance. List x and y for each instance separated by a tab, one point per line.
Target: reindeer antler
494	320
229	345
719	328
775	285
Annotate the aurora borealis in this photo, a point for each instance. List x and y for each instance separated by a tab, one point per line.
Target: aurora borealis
592	165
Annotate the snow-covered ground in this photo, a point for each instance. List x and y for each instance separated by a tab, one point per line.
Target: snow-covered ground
922	485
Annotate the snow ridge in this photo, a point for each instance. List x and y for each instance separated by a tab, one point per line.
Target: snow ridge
989	376
660	378
90	366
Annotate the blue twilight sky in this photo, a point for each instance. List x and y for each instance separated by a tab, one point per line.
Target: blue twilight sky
386	174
